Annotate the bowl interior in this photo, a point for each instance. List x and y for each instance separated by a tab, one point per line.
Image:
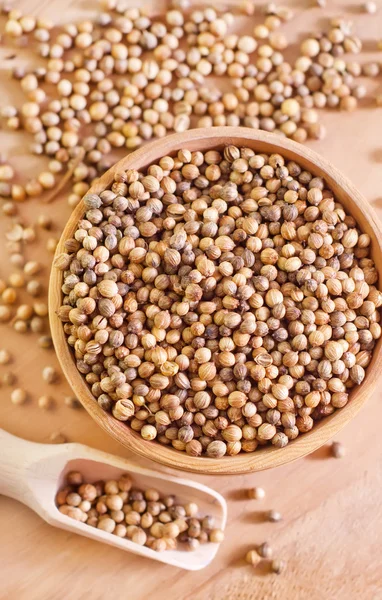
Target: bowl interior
262	458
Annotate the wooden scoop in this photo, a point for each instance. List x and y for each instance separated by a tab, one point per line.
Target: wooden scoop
33	473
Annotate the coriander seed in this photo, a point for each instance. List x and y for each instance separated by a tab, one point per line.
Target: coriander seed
278	566
337	450
19	396
274	516
256	493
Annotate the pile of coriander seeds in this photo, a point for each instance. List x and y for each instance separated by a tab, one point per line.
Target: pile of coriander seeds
109	84
219	301
146	517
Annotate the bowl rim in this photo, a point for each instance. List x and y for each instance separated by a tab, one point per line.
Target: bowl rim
261	458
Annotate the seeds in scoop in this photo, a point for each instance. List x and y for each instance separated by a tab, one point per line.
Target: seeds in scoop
216	536
108	505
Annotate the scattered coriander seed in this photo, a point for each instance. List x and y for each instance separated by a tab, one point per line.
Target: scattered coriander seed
16	280
274	516
278	566
45	402
20	326
34	287
8	378
45	341
253	558
58	438
51	245
49	374
19	396
32	267
337	450
256	493
37	324
44	221
72	402
5	314
265	550
9	296
24	312
5	357
370	7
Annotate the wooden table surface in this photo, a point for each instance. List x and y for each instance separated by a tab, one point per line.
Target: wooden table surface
331	532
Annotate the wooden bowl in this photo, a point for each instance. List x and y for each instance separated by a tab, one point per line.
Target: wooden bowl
263	458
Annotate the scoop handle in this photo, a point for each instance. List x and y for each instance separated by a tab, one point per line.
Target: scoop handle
16	457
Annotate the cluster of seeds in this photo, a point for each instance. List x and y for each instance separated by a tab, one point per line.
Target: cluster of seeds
22	294
219	301
145	517
263	553
128	77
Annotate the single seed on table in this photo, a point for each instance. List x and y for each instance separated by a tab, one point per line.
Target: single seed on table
58	438
337	450
265	550
370	7
274	516
24	312
5	314
45	402
256	493
49	374
16	280
72	402
44	221
32	267
252	557
19	396
9	296
8	378
34	287
5	357
278	566
45	341
20	326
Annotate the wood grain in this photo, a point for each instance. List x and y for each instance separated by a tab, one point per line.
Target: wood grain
332	521
204	140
